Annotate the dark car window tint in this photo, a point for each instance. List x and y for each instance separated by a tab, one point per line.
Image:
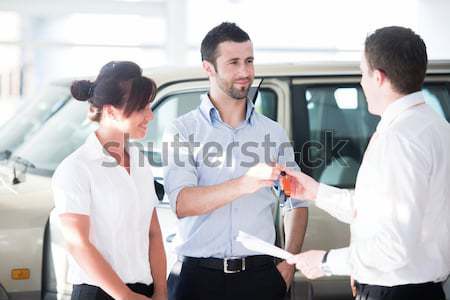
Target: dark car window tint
340	128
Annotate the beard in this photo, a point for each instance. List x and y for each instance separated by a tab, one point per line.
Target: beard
232	91
238	93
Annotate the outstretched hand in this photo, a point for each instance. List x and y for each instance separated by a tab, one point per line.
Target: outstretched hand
303	186
259	176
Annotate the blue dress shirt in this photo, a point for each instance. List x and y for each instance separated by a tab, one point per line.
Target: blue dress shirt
211	152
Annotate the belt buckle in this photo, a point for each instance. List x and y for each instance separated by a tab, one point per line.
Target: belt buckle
225	265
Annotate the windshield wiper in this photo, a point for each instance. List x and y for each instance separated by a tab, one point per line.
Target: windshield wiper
5	155
25	163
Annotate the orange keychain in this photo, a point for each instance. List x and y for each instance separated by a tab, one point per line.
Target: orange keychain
286	183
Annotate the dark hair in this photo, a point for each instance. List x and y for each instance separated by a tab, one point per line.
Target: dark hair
222	33
120	84
401	54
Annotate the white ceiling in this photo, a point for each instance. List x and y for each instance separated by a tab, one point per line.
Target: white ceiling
49	8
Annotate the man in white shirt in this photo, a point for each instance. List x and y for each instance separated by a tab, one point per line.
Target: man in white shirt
399	212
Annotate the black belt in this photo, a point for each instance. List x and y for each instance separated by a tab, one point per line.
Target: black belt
231	264
431	287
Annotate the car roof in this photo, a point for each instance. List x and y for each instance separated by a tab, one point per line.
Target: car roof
166	75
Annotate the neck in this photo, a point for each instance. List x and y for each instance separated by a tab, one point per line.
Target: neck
232	111
388	99
113	141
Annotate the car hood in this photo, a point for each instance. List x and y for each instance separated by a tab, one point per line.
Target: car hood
27	204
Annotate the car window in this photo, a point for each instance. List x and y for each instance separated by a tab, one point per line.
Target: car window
340	127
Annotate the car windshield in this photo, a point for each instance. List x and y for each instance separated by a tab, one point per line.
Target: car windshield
60	136
24	124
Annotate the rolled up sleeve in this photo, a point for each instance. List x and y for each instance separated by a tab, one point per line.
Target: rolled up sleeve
179	164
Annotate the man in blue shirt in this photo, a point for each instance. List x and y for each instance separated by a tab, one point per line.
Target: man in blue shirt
219	179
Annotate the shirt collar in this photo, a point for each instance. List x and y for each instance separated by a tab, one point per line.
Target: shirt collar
397	107
94	149
212	114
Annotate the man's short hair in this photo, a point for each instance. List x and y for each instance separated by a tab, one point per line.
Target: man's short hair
401	54
222	33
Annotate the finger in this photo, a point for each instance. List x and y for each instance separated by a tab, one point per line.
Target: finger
313	273
297	189
280	167
294	188
302	263
293	173
275	173
306	273
266	183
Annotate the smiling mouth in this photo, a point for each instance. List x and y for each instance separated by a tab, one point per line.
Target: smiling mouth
243	82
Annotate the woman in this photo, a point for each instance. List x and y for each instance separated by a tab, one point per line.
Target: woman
104	194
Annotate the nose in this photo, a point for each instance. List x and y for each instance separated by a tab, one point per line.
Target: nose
248	71
149	115
245	71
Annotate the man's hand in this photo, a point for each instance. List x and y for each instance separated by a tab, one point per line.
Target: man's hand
257	177
287	272
309	263
304	186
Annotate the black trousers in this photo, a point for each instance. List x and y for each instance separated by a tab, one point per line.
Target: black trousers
193	282
422	291
91	292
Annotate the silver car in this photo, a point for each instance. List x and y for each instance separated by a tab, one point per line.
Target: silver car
321	106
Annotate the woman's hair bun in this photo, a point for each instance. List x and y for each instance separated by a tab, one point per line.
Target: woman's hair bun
82	90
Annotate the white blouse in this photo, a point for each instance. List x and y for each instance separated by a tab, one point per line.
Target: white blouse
120	206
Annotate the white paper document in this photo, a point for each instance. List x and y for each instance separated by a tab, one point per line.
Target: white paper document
255	244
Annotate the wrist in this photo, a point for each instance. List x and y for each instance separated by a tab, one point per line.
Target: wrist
239	185
161	289
124	294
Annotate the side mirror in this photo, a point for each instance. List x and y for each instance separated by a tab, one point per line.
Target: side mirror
159	189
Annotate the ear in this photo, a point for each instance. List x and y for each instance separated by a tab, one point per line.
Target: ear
109	111
209	68
380	77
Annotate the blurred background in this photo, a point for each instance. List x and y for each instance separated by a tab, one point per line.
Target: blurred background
46	40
